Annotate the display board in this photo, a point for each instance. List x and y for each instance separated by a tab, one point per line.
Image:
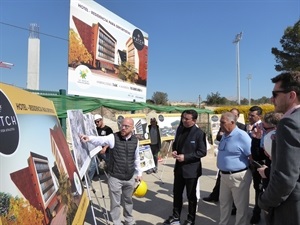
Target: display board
108	56
214	122
90	129
83	151
168	124
146	157
140	125
38	172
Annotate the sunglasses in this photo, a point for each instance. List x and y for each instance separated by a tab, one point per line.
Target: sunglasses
275	93
97	121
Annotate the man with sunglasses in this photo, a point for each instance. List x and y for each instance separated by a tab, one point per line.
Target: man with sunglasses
281	199
102	130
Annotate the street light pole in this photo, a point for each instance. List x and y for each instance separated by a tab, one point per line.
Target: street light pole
236	41
249	77
199	101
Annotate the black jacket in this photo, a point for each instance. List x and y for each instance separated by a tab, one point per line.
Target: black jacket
194	148
158	135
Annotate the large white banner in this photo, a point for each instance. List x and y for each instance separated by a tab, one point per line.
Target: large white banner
107	55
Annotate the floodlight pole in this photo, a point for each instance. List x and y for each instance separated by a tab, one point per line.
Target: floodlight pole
236	41
199	101
249	77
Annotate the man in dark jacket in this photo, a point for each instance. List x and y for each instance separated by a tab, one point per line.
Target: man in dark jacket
188	148
155	143
257	153
281	199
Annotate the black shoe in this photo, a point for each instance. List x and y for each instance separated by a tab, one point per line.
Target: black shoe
188	222
210	199
255	218
172	221
149	171
154	170
233	211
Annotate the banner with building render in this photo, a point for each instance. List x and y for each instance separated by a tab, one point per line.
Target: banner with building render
108	56
39	182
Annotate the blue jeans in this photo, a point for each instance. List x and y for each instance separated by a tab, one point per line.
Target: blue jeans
92	168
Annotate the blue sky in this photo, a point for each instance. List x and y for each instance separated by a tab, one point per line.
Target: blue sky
190	43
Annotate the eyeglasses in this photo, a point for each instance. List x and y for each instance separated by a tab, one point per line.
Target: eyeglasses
97	121
125	126
275	93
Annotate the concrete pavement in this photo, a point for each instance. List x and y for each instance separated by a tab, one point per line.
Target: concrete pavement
156	206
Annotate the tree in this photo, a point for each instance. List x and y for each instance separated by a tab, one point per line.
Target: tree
244	101
17	211
262	100
150	101
289	57
65	192
77	51
127	72
160	98
215	99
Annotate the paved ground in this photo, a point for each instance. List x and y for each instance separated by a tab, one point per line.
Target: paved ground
156	206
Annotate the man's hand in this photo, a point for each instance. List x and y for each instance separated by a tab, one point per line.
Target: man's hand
103	150
84	138
138	178
174	154
180	157
261	171
257	132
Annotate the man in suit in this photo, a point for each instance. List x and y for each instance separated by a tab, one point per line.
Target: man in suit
188	148
258	155
281	198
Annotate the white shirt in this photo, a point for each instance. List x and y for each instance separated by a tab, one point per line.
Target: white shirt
110	141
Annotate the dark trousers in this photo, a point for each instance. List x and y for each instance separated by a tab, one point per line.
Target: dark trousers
155	150
258	187
216	190
179	184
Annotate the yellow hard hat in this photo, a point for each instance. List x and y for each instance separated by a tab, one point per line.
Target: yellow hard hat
141	189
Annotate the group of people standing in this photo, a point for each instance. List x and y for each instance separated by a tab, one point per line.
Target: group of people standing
241	158
275	173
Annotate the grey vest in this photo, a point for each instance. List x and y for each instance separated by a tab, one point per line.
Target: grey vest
122	157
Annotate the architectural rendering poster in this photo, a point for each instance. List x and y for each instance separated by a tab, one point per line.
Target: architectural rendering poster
39	182
146	157
107	55
90	129
81	150
168	124
140	125
214	121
